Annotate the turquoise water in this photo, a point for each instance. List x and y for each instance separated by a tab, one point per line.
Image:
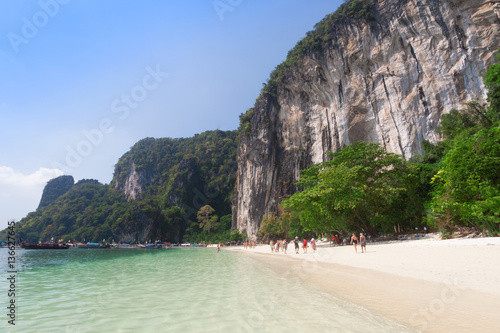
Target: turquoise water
148	290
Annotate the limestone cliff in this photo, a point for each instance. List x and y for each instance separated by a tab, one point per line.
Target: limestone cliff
135	183
186	172
386	79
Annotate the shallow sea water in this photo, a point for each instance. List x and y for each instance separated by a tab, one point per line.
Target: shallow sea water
190	290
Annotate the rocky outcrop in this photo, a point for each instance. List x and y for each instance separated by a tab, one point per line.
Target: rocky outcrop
187	172
387	80
54	189
134	184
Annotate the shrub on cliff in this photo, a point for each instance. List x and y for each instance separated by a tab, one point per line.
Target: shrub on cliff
317	39
492	82
245	125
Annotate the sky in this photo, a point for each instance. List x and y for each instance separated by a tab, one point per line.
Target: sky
81	81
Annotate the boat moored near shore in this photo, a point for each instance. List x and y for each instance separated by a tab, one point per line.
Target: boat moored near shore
45	246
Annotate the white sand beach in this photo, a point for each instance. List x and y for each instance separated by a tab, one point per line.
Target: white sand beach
431	285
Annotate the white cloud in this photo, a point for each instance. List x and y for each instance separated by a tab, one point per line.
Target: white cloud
9	176
21	193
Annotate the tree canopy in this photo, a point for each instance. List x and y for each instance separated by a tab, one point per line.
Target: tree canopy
207	219
467	187
362	187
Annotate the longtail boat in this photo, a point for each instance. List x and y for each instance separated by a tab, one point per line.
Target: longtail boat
44	246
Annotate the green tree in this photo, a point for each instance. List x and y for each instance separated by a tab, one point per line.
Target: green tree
225	223
273	227
207	219
492	82
460	124
362	187
467	188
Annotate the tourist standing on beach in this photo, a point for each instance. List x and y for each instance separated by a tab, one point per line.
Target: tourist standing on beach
304	245
296	242
362	241
354	240
313	245
285	245
271	243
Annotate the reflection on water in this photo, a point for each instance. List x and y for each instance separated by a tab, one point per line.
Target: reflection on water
192	290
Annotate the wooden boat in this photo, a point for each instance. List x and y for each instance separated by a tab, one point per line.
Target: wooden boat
153	246
45	246
92	246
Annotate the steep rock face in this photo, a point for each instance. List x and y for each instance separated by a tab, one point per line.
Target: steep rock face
385	81
134	184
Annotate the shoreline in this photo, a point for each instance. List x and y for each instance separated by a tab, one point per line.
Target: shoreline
427	285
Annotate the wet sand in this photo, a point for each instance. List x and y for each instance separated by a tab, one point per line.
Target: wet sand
428	285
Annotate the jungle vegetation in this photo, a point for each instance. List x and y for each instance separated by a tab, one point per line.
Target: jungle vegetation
179	177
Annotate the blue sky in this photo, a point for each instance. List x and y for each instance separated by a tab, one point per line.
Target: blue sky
83	80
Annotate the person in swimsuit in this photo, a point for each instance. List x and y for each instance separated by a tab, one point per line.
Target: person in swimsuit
304	246
362	241
354	240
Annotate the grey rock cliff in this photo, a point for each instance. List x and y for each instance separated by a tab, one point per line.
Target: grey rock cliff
134	184
385	81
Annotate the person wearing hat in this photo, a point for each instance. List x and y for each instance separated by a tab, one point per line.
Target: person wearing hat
362	241
313	245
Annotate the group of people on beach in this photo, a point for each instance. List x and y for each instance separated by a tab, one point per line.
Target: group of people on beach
279	245
282	245
249	245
